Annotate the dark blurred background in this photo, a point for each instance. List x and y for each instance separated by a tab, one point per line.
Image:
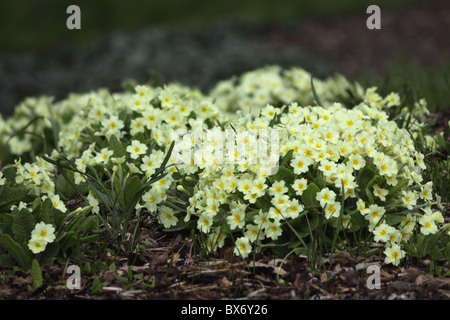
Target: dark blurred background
198	43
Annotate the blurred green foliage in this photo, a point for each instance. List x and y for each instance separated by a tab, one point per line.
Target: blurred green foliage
414	81
28	24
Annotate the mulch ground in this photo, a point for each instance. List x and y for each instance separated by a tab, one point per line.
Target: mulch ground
168	270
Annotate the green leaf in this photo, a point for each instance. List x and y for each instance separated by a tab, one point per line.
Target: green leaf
96	139
370	196
63	186
89	225
264	204
316	97
47	212
284	174
103	194
93	238
73	224
6	222
119	192
393	219
97	285
400	185
6	262
49	254
23	224
36	274
365	177
272	121
16	252
287	158
429	243
357	221
55	131
68	240
132	187
309	195
308	224
12	195
117	147
319	182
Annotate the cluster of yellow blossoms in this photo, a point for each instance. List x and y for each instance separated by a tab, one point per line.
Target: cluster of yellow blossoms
356	166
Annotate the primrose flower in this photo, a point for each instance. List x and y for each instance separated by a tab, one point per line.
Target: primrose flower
374	215
242	247
57	203
113	125
281	202
392	99
394	254
204	223
32	173
325	196
409	199
294	208
236	219
332	210
136	149
253	232
273	230
278	188
380	192
104	155
167	217
261	219
361	206
426	192
301	164
93	201
327	167
45	232
37	245
428	225
383	232
299	186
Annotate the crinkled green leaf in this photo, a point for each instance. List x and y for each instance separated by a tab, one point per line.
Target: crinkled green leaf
117	147
284	174
36	274
309	195
16	251
13	195
23	224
